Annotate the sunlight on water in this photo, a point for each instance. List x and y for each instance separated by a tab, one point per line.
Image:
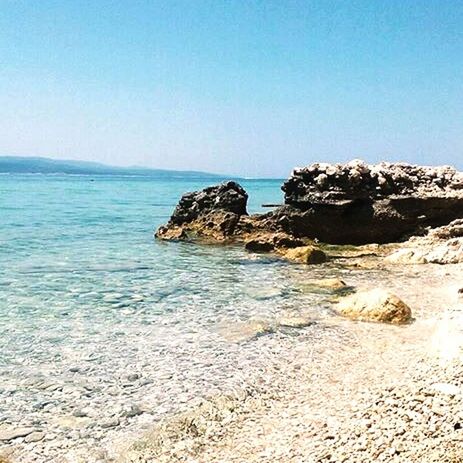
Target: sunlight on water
105	330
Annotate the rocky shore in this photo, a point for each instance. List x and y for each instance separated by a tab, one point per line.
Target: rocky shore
372	392
409	409
351	203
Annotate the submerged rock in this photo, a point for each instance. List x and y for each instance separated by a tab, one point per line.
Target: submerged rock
375	305
295	321
328	283
306	255
246	331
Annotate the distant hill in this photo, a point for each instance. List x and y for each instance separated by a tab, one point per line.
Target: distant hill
39	165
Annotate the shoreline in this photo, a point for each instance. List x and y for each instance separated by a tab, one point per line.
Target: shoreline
312	407
305	380
235	354
303	391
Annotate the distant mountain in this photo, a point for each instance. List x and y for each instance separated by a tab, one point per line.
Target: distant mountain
39	165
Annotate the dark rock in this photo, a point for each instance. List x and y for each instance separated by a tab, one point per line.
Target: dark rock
286	241
213	212
356	204
227	197
259	246
351	203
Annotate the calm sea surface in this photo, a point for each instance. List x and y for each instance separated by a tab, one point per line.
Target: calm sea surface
97	317
104	330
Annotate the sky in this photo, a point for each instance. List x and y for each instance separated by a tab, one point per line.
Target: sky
244	87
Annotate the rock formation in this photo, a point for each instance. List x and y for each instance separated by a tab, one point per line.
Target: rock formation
356	204
351	203
219	213
213	212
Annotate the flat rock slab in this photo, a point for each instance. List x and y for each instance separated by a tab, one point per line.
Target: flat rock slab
11	434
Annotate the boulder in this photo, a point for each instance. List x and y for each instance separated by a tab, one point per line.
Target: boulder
305	255
375	305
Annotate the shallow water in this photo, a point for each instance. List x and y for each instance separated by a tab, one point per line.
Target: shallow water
105	330
95	313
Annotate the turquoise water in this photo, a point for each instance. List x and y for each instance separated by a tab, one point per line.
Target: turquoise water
104	330
96	315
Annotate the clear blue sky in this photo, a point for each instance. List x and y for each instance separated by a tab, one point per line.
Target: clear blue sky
243	87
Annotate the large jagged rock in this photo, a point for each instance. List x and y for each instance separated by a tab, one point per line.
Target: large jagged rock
356	203
213	212
226	197
218	213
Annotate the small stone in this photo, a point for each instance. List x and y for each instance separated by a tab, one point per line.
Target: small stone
133	410
80	412
110	423
34	437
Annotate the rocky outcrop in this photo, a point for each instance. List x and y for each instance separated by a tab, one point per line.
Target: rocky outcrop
213	212
356	203
219	213
351	203
375	305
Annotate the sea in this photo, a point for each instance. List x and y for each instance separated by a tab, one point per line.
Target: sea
105	330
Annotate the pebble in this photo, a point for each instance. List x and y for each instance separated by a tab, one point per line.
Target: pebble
34	437
110	423
133	410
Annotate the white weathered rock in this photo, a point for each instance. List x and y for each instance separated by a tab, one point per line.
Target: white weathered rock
14	433
36	436
446	388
